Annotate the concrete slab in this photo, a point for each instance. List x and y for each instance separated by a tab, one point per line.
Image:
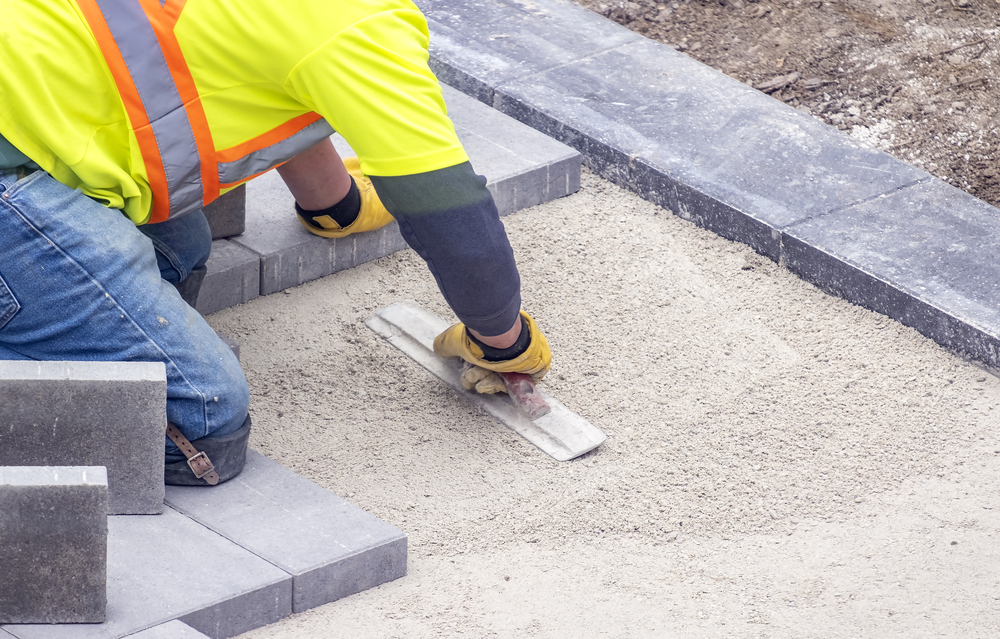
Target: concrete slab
53	544
170	630
227	215
169	567
477	46
718	153
523	167
108	414
916	255
233	278
691	139
332	548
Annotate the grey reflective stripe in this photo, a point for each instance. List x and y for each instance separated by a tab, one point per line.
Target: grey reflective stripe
269	157
174	136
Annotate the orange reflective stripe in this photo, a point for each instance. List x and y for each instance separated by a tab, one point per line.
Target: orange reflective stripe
272	137
172	9
155	173
163	28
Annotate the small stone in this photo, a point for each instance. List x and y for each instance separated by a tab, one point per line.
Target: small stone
831	33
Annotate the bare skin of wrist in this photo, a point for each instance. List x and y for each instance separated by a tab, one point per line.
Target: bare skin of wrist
504	340
316	177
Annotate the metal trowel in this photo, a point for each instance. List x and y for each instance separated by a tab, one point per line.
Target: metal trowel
529	411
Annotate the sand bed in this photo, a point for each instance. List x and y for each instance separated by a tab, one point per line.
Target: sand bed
779	463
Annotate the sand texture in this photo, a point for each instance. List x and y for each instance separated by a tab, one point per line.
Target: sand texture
779	463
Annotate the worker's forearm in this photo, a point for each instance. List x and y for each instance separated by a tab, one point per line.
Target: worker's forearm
449	218
316	177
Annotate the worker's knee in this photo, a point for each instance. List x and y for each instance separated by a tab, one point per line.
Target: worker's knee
228	409
182	245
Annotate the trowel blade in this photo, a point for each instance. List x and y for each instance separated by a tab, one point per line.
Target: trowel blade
562	433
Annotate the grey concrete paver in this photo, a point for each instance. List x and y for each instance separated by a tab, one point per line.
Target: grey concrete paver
476	46
108	414
332	548
916	255
227	215
167	567
169	630
702	144
53	544
233	278
722	155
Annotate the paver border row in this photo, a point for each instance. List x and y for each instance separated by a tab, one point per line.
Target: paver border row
851	220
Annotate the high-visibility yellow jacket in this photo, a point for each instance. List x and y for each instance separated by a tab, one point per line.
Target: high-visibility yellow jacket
157	109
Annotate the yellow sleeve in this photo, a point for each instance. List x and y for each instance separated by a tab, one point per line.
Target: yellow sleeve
372	84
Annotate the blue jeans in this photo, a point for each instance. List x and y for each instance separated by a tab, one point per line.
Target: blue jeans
79	282
182	245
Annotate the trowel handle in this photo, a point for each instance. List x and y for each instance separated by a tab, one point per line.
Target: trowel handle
522	392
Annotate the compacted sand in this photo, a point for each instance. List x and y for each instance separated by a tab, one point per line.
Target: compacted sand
779	463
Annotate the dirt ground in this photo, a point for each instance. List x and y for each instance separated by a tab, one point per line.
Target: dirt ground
779	463
915	78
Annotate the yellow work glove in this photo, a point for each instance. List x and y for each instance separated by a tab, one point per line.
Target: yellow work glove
481	374
372	216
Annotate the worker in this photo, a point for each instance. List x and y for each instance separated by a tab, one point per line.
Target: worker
121	119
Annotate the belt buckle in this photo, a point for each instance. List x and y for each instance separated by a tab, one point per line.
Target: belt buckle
202	461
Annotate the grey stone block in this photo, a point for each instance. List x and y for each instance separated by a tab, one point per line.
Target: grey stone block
169	567
227	215
289	255
110	414
852	220
170	630
53	544
710	148
233	278
332	548
523	167
918	255
476	46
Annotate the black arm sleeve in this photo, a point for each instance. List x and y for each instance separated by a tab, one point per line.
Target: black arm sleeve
449	218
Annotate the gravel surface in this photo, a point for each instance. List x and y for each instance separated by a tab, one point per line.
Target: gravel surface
779	462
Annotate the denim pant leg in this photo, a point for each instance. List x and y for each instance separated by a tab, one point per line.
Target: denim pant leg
79	282
182	245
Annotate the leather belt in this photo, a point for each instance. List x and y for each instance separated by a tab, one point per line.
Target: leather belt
199	462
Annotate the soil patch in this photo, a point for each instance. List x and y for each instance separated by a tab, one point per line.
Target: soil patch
915	79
